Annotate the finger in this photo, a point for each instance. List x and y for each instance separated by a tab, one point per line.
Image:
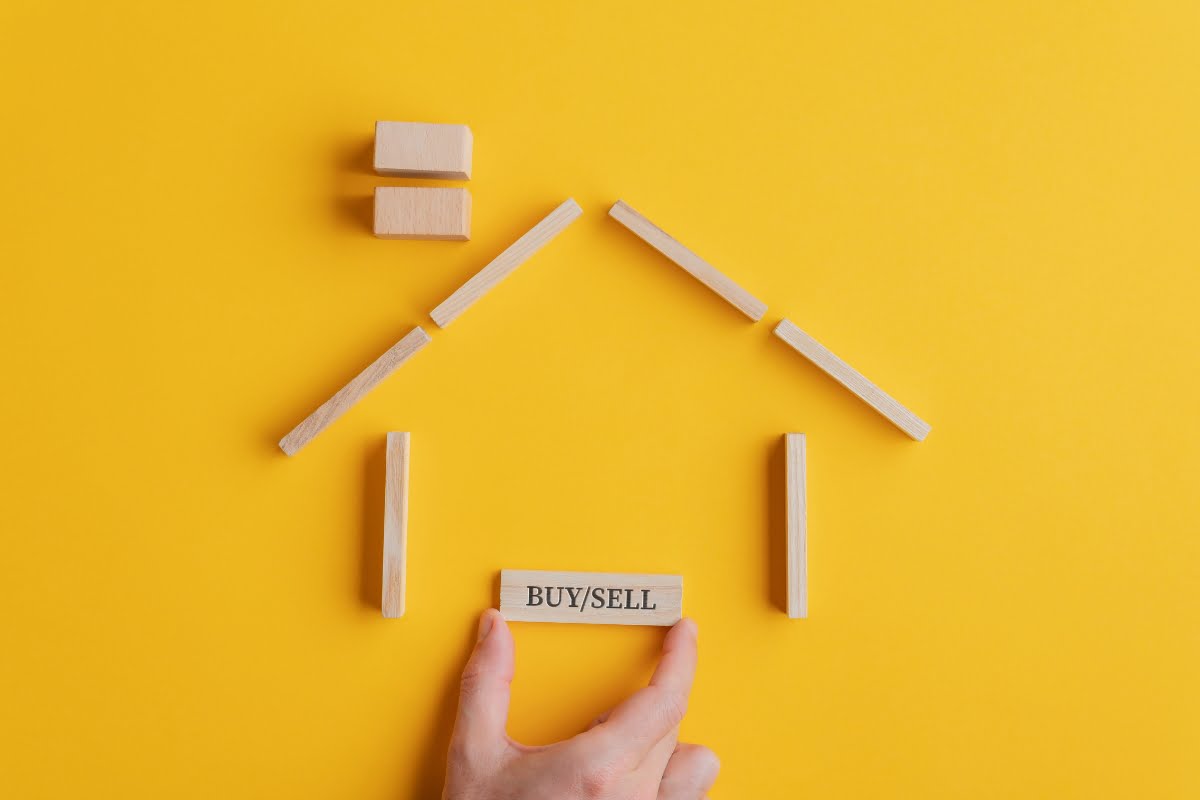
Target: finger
600	720
690	773
484	695
651	713
655	763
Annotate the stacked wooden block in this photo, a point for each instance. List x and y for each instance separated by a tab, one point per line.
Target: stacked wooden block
423	150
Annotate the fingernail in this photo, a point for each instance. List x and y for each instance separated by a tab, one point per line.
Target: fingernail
485	625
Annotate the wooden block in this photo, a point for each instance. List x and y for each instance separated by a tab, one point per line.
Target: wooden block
699	269
853	380
353	391
797	528
597	598
395	524
413	212
423	150
504	264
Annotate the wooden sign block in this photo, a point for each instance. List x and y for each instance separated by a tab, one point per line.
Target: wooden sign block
797	528
353	391
853	380
596	598
696	266
423	150
503	265
395	524
417	212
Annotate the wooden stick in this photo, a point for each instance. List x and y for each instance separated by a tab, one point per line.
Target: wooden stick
699	269
395	525
853	380
596	598
503	265
353	391
797	528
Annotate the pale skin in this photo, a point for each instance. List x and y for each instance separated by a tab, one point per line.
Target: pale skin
632	752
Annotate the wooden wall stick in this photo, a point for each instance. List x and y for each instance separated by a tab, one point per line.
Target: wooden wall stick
353	391
423	150
700	269
797	528
502	265
423	212
853	380
395	524
597	598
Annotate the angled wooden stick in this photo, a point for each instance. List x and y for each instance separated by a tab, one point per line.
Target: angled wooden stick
353	391
395	525
699	269
503	265
797	528
853	380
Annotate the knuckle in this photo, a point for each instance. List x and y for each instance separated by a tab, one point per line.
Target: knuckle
464	757
597	779
673	707
460	752
473	680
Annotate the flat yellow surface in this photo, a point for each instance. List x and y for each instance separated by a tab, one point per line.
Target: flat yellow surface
989	208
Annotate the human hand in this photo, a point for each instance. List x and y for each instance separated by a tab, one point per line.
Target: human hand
630	753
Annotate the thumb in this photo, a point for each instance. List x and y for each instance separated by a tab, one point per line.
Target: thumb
484	695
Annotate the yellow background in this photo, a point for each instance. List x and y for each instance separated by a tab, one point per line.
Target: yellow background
989	208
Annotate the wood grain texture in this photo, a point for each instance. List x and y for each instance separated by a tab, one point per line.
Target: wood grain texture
696	266
354	391
504	264
853	380
423	150
797	527
395	524
594	598
415	212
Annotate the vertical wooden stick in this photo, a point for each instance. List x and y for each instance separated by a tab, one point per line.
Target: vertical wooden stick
797	528
395	525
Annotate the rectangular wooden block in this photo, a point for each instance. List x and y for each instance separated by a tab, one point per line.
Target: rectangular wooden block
596	598
696	266
503	265
354	391
853	380
423	150
797	528
419	212
395	524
